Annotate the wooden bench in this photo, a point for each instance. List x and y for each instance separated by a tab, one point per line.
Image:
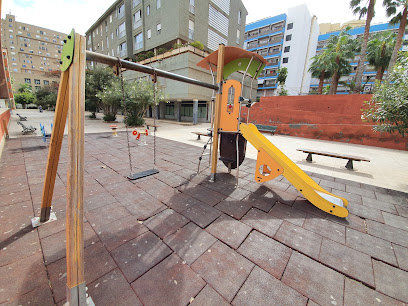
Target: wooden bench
199	134
266	128
350	158
151	125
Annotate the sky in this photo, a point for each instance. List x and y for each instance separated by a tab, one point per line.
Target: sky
63	15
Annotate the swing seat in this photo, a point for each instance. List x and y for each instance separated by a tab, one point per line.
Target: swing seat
139	175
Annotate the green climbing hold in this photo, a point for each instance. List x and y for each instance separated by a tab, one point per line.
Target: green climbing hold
68	51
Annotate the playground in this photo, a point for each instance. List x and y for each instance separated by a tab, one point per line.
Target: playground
234	232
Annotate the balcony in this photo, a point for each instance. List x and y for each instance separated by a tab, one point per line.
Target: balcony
137	24
275	40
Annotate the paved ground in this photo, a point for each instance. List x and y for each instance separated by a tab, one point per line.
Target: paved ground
175	238
387	168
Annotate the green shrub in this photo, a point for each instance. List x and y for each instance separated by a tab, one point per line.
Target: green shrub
197	44
109	117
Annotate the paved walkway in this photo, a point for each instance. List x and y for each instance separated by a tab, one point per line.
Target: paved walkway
175	238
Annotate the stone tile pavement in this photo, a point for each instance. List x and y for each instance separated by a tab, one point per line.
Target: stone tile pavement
174	238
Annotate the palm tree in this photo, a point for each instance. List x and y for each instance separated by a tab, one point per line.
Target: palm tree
362	10
399	10
321	68
379	51
340	47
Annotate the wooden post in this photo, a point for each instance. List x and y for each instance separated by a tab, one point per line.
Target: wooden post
76	289
220	77
60	118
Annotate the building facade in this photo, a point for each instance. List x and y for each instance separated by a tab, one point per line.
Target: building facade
6	89
162	29
286	40
369	72
34	53
131	27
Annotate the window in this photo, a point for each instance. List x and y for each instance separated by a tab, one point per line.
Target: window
238	36
110	18
139	41
93	34
169	110
27	81
285	60
289	37
112	35
190	29
137	19
122	49
290	26
10	19
239	17
287	49
192	6
37	87
136	3
121	11
97	31
46	82
148	10
37	82
158	4
149	33
122	30
158	28
107	42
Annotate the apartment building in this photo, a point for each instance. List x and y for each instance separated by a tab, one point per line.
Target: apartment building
130	28
6	89
286	40
369	72
33	52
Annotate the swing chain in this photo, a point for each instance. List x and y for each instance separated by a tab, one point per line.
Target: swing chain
119	71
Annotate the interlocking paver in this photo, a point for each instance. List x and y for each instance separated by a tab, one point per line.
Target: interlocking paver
402	210
181	202
169	283
190	242
300	239
97	201
356	293
391	281
387	232
266	253
263	222
141	204
229	230
21	277
19	246
288	213
381	205
139	255
234	208
15	217
208	296
205	195
373	246
304	205
106	214
347	261
365	212
396	221
259	201
261	288
202	214
402	256
313	280
360	191
326	228
352	197
119	232
336	185
223	269
112	289
39	296
166	222
97	262
351	221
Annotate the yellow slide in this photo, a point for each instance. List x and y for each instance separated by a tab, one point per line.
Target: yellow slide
319	197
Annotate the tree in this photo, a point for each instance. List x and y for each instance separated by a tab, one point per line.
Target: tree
282	75
389	105
398	9
340	48
362	10
111	98
321	68
96	80
379	51
24	95
46	96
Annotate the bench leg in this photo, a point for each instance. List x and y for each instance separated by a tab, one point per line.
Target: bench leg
198	137
309	157
349	165
155	129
